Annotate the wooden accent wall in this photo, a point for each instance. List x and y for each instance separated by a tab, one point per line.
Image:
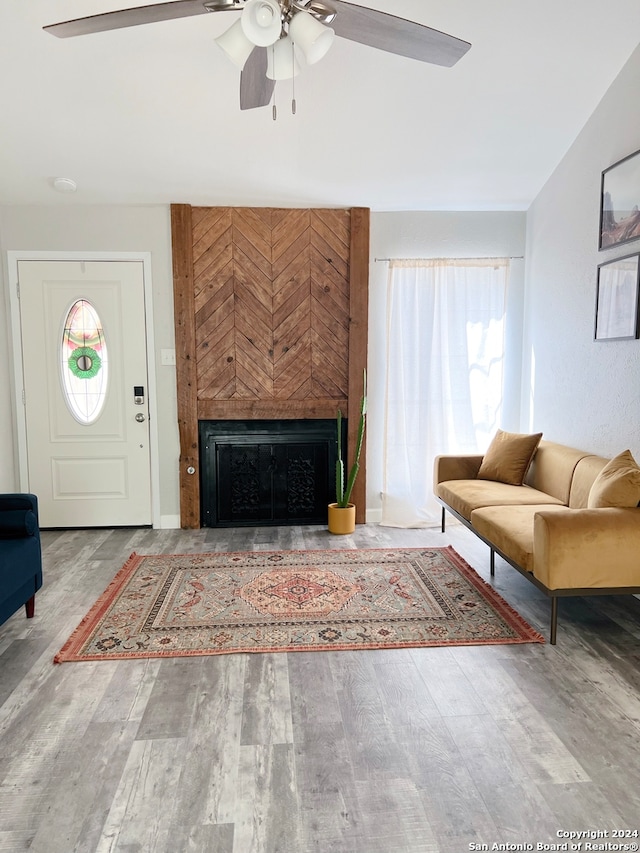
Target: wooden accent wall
271	322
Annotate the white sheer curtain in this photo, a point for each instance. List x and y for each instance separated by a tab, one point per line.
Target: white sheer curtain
444	384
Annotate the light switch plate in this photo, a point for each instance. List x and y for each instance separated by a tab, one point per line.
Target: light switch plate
168	357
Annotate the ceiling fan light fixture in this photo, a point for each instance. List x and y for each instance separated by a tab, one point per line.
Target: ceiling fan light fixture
235	44
281	60
312	37
262	22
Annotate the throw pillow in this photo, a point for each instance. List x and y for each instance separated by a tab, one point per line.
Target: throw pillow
618	484
508	457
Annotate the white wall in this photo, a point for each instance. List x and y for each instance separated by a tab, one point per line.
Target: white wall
95	229
583	393
560	295
72	228
438	235
576	391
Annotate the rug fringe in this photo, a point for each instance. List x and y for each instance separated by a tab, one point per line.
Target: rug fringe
79	634
502	606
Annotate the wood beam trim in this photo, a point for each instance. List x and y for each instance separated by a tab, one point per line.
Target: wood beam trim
231	410
186	378
358	335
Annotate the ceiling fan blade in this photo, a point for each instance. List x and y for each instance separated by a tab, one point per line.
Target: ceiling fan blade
140	15
256	89
396	35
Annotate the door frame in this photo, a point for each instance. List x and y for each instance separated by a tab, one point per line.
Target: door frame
13	258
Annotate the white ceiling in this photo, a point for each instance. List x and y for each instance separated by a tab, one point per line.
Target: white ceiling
150	114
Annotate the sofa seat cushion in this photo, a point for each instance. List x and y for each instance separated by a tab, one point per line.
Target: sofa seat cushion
510	529
464	496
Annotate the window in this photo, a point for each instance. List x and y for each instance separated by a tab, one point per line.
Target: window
84	362
444	385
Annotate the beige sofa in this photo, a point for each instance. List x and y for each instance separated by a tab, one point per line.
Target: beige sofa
545	527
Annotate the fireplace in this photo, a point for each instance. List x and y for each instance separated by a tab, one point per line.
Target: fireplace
266	472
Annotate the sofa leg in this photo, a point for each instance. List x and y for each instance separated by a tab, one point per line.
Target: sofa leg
442	523
30	607
492	563
554	619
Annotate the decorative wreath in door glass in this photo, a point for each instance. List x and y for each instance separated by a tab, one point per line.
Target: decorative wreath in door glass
84	362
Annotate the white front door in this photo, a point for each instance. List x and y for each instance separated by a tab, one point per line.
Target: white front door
86	402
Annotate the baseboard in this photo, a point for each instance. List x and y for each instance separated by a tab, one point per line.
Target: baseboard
169	522
373	516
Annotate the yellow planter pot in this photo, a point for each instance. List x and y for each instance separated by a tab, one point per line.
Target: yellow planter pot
342	519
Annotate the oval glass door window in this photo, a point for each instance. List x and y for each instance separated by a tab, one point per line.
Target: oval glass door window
84	362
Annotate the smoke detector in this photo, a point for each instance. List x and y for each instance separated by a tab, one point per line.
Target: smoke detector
64	185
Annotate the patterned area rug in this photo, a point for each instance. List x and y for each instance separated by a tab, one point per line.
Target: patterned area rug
207	604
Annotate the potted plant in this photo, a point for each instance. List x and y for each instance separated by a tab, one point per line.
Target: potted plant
342	513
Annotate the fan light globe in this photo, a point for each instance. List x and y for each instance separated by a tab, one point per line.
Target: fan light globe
262	22
281	61
312	37
235	44
264	16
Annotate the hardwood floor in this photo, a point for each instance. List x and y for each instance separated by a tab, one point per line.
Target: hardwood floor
403	751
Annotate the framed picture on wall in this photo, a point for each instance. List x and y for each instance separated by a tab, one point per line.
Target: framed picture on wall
620	202
617	305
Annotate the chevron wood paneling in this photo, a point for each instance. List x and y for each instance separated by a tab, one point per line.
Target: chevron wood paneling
272	304
273	312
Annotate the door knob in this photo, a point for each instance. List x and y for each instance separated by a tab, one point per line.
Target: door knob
140	417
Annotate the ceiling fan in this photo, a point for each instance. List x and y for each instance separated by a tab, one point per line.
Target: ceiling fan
268	39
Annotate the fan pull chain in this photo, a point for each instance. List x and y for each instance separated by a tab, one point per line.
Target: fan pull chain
293	80
274	110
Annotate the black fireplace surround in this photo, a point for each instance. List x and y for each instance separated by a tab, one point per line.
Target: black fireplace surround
267	472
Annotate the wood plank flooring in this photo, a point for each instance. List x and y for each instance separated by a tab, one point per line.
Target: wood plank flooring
401	751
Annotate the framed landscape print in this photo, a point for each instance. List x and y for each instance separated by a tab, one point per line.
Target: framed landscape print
620	202
617	299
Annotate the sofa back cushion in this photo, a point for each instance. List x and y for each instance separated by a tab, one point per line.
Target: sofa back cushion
552	469
584	477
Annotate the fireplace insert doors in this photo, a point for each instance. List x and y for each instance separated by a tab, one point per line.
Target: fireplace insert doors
260	472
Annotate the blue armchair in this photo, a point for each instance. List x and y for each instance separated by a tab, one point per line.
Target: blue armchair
20	554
